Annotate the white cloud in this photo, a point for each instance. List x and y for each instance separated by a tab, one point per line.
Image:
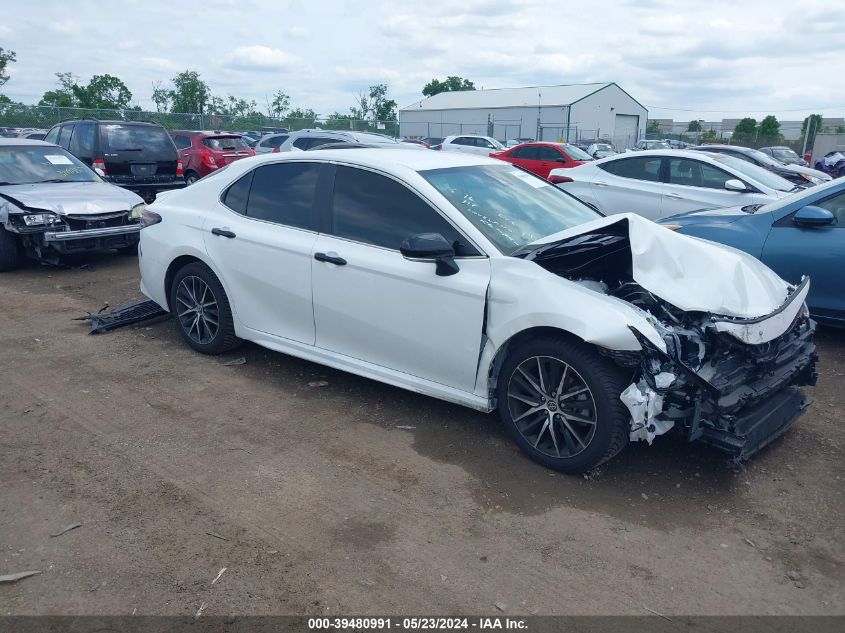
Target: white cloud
65	27
159	63
720	23
298	32
262	58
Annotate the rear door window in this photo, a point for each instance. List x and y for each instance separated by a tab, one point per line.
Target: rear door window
64	136
548	153
646	168
693	173
237	194
526	153
53	135
117	137
274	141
82	141
283	193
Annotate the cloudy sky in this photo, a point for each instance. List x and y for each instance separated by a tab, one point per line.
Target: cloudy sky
682	59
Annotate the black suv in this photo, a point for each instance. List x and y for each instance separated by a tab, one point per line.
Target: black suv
138	156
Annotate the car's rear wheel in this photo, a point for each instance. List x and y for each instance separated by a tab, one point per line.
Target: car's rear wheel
559	401
191	177
10	251
201	308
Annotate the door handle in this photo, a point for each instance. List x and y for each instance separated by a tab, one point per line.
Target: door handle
600	183
332	259
674	196
223	232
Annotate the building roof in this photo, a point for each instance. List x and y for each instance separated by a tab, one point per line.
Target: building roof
509	97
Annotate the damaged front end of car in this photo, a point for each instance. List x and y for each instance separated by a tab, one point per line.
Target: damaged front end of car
729	380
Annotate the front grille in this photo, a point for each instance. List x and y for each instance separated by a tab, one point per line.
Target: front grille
140	180
84	222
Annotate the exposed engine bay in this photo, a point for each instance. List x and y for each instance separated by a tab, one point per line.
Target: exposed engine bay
728	381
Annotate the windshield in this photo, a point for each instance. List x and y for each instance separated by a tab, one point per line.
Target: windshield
785	155
819	191
117	137
225	142
511	207
576	153
758	174
24	165
374	138
657	145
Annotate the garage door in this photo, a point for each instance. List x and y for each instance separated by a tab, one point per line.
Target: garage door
625	131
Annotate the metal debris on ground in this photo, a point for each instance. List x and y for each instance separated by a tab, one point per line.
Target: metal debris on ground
200	610
215	535
220	573
18	576
66	528
235	361
124	315
318	383
405	427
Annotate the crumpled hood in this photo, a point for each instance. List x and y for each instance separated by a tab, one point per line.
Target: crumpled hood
800	169
72	198
690	273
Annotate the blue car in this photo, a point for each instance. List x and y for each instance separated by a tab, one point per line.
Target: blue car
802	234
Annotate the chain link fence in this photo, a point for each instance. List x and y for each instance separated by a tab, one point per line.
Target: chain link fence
19	116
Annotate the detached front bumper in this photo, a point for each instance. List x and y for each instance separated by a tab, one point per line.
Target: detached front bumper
92	239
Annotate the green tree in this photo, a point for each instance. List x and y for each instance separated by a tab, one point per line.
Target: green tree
653	127
769	129
6	58
810	127
451	84
190	93
104	91
745	130
302	114
280	104
708	135
382	108
161	97
66	95
694	126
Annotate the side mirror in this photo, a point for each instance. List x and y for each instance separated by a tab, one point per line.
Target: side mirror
431	247
735	184
813	216
561	160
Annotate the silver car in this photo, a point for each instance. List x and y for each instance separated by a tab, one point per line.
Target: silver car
52	204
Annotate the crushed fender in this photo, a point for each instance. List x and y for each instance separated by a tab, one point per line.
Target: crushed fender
645	404
122	316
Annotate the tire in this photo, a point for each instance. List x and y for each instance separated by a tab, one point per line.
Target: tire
191	177
10	251
590	424
196	284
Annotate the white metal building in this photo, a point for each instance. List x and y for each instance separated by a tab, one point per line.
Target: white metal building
550	113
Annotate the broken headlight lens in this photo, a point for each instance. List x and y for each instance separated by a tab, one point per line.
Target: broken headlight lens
41	219
137	211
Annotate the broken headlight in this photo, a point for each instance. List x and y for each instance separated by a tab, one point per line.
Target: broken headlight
41	219
137	211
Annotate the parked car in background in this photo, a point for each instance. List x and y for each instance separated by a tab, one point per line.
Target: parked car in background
270	143
803	176
460	277
431	141
52	204
675	143
801	235
657	183
249	139
202	153
306	139
785	155
601	150
140	157
832	163
34	135
541	157
646	144
471	144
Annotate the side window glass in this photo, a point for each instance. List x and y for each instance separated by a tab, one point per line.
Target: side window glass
182	142
237	194
374	209
82	141
528	153
693	173
637	168
303	142
549	153
53	135
836	205
64	136
284	193
276	141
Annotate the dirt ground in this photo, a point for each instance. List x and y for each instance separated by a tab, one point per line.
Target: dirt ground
356	498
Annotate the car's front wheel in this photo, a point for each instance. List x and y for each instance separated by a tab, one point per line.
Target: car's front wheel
191	177
201	308
559	401
10	251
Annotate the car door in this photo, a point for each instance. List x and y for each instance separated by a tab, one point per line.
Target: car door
82	142
261	239
692	185
793	251
549	158
629	185
372	304
525	157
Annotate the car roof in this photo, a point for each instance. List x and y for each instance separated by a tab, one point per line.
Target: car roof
17	141
737	148
680	153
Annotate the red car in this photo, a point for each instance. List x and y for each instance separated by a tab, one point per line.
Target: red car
541	157
204	152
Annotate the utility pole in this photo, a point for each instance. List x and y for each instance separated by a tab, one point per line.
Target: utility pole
807	135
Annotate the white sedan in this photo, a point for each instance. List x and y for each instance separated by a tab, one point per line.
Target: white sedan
660	183
470	280
471	144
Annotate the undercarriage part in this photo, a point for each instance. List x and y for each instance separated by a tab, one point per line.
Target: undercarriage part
122	316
